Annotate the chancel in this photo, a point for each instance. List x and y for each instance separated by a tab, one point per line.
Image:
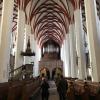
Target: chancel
47	39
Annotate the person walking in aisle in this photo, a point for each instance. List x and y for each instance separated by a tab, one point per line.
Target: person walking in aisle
62	87
45	92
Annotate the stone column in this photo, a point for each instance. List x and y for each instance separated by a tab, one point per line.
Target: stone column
93	38
20	39
33	48
80	44
32	41
27	35
67	54
36	60
5	39
72	51
1	5
62	54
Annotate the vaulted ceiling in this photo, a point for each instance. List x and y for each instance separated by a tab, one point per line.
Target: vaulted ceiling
49	19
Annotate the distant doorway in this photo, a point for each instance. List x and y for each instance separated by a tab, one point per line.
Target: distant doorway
56	71
45	71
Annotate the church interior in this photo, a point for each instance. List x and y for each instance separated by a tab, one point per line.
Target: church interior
47	38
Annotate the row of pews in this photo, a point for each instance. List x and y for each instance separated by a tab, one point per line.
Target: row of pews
20	90
83	90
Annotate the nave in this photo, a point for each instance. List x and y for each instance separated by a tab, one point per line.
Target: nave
49	37
53	92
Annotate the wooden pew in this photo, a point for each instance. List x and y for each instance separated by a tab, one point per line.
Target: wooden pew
94	90
30	89
15	91
87	90
81	90
4	87
70	91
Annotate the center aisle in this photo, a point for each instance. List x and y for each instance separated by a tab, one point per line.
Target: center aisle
53	92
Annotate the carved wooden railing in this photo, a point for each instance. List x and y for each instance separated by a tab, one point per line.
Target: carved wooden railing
22	72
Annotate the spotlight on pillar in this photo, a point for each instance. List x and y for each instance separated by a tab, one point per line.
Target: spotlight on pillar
28	51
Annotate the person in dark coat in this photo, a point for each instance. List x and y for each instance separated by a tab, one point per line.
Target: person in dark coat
45	91
62	87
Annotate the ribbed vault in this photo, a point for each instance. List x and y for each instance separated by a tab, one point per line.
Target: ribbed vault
49	19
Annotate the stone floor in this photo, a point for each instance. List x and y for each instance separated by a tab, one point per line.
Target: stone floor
53	92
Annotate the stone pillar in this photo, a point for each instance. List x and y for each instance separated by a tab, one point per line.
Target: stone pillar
20	39
67	54
1	5
72	51
93	38
65	57
62	54
27	59
33	47
5	39
36	60
32	41
80	44
26	35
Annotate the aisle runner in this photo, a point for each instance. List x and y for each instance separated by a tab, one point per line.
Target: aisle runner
53	91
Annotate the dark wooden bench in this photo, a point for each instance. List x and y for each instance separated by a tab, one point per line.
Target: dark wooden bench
19	90
70	91
83	90
15	91
30	89
4	87
94	90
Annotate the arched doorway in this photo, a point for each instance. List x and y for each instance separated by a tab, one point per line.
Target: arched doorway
56	71
45	71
